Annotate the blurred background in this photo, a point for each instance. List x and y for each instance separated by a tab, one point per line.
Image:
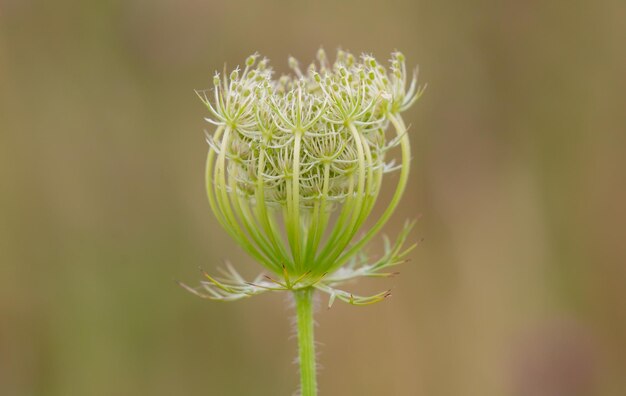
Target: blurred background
519	287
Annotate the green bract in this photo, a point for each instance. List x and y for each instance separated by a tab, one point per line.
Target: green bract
295	166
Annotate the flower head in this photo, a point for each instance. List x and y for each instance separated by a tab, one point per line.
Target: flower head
296	163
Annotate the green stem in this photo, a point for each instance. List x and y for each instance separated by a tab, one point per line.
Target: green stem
306	341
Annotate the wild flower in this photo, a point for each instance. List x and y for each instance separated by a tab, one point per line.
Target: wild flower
294	169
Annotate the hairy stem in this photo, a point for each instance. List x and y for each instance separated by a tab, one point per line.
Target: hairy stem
306	341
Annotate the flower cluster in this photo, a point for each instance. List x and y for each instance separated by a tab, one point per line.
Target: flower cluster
296	163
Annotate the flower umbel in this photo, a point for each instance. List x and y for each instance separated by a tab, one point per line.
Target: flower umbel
295	166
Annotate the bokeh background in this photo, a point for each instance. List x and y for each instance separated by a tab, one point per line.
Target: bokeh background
519	287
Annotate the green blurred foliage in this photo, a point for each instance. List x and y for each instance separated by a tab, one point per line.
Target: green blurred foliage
518	288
